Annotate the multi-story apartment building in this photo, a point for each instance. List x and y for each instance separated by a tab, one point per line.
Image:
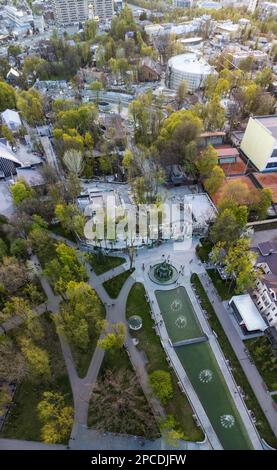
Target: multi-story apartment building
70	11
103	9
265	292
19	20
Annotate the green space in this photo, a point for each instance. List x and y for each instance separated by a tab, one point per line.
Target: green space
274	397
150	344
113	286
225	289
201	366
23	422
82	357
203	249
265	360
117	403
250	399
178	314
59	230
101	263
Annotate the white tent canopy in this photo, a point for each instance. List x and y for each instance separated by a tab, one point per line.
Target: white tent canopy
249	313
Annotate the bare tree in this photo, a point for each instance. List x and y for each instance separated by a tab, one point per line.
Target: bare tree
74	161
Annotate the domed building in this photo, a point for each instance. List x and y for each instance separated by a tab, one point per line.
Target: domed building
190	67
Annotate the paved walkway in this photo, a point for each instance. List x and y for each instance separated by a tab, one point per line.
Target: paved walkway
14	444
89	439
250	370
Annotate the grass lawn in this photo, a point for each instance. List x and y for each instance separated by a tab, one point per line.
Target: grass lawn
113	286
225	289
23	422
274	397
59	230
141	424
238	373
265	360
149	342
101	263
83	357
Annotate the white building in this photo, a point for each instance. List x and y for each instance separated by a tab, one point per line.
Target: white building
265	298
102	9
252	5
191	43
189	67
19	20
182	3
268	9
11	119
70	11
209	5
247	314
238	54
259	142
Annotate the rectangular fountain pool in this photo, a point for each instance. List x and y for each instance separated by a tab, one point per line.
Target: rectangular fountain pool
200	364
178	314
207	380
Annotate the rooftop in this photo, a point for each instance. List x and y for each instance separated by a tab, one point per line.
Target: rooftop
236	168
269	123
268	180
227	151
191	63
249	312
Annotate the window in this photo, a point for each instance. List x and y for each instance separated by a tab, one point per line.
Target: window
272	165
274	154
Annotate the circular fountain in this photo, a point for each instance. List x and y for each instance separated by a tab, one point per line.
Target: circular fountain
163	273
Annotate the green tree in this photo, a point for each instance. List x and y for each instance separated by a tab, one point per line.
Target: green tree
81	308
30	104
91	28
37	359
65	267
215	180
265	77
7	134
7	97
20	191
213	114
170	432
19	248
181	92
239	262
56	416
177	139
114	339
3	249
226	228
71	218
161	384
207	161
